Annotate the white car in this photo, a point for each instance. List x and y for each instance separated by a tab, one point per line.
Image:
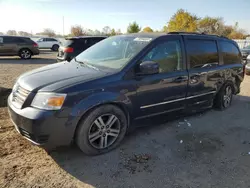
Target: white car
48	43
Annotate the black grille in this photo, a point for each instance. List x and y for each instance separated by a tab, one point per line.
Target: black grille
19	96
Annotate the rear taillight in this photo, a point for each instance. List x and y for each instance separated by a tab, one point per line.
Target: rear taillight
35	45
68	49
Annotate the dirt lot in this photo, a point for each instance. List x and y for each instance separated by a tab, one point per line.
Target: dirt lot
211	149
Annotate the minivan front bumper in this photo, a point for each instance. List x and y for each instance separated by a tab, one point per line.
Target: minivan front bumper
41	127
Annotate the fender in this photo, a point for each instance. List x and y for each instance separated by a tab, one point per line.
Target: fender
88	103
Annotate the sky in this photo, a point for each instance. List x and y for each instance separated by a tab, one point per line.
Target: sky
35	15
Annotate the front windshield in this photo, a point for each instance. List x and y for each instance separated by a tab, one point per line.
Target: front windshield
113	52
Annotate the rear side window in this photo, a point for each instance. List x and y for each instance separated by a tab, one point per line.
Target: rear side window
18	40
76	43
51	39
202	53
1	40
93	41
8	40
230	52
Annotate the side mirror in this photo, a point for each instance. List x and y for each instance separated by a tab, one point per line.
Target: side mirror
148	67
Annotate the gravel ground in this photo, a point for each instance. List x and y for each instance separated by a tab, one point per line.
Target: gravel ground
203	150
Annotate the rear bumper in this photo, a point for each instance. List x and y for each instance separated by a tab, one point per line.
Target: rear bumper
41	127
65	57
35	51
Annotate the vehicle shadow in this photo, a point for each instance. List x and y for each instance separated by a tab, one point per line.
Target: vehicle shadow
159	141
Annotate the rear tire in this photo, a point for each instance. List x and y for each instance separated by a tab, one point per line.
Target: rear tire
55	48
224	98
102	130
25	54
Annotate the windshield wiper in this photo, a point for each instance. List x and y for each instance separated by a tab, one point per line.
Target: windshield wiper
86	64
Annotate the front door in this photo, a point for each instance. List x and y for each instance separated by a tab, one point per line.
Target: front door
165	91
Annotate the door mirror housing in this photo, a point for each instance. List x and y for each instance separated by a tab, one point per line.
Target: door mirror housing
148	67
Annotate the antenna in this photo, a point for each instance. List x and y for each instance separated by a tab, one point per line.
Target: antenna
63	25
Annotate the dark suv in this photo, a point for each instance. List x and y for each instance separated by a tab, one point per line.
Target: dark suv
73	46
94	98
23	47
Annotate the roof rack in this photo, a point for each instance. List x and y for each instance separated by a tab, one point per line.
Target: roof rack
196	33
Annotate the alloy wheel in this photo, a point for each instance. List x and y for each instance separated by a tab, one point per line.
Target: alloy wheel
25	54
104	131
227	96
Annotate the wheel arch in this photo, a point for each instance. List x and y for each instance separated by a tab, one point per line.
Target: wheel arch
120	104
19	52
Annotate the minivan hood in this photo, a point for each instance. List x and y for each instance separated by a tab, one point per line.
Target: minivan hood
58	75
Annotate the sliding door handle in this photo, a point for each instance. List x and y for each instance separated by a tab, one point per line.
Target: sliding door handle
180	79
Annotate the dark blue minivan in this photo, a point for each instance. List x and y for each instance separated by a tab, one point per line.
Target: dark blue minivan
93	99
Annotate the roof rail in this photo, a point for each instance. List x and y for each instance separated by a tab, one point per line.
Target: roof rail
196	33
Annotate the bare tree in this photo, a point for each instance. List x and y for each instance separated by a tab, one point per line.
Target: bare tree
49	32
11	32
77	30
106	30
23	33
1	33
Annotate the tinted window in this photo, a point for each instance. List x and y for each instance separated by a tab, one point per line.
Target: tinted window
8	40
18	40
168	55
75	42
93	41
230	52
1	39
202	53
51	39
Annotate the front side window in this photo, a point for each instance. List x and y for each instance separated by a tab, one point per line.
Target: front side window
230	52
202	53
40	40
168	55
113	52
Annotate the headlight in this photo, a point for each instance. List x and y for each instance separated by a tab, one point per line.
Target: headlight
48	101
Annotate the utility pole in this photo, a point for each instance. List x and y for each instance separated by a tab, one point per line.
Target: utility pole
63	25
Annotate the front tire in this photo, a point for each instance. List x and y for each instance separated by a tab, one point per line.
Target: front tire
224	98
101	130
25	54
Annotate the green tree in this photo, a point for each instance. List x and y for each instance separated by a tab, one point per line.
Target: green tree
147	30
182	21
165	29
113	32
133	28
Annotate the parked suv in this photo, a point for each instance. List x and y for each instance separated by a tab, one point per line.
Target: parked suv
48	43
18	46
93	99
73	46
